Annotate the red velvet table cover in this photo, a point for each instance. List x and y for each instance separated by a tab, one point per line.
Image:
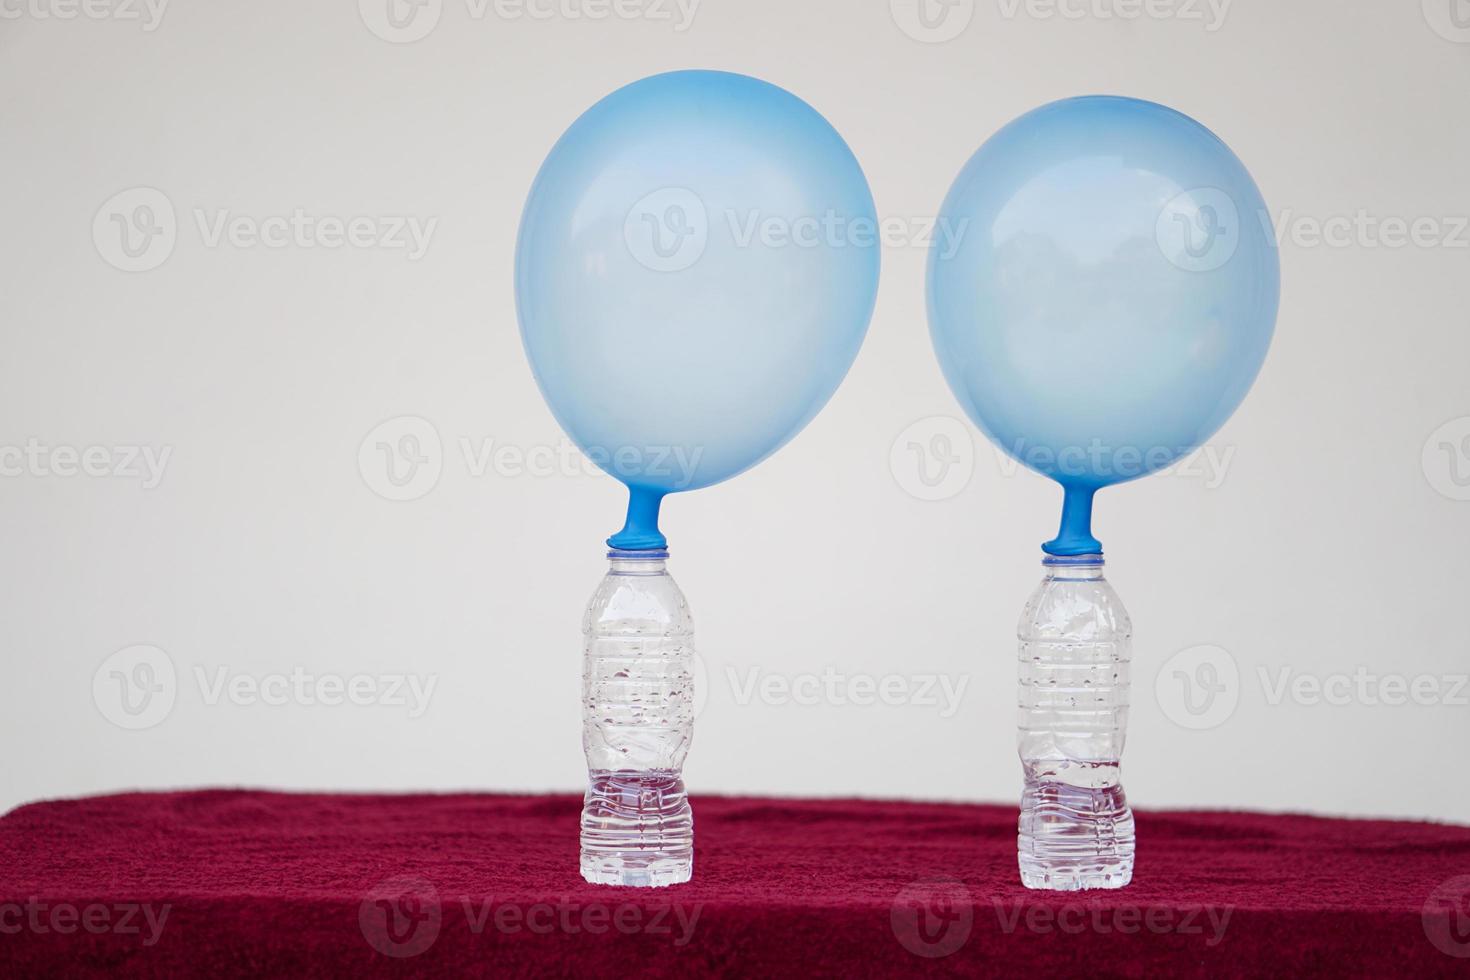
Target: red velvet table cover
229	883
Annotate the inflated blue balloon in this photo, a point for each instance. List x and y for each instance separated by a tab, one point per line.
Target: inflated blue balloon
1111	296
696	269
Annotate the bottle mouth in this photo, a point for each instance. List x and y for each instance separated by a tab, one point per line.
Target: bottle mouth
1072	561
642	554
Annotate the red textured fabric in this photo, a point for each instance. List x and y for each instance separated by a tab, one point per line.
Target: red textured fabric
225	883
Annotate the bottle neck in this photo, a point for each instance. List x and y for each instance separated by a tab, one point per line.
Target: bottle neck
643	562
1073	568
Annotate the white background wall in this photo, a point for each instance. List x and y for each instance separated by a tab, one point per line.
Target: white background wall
1331	541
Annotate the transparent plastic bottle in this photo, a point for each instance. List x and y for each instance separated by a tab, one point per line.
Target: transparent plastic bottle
1076	830
637	722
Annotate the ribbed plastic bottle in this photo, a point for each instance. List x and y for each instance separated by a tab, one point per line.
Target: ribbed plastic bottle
637	722
1076	830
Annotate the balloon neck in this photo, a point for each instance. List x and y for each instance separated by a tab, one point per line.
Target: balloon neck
640	531
1075	535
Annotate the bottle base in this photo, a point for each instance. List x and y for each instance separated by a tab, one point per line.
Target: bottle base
1074	837
1075	881
604	870
637	830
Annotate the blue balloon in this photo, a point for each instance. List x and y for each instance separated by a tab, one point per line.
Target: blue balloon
696	268
1111	297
